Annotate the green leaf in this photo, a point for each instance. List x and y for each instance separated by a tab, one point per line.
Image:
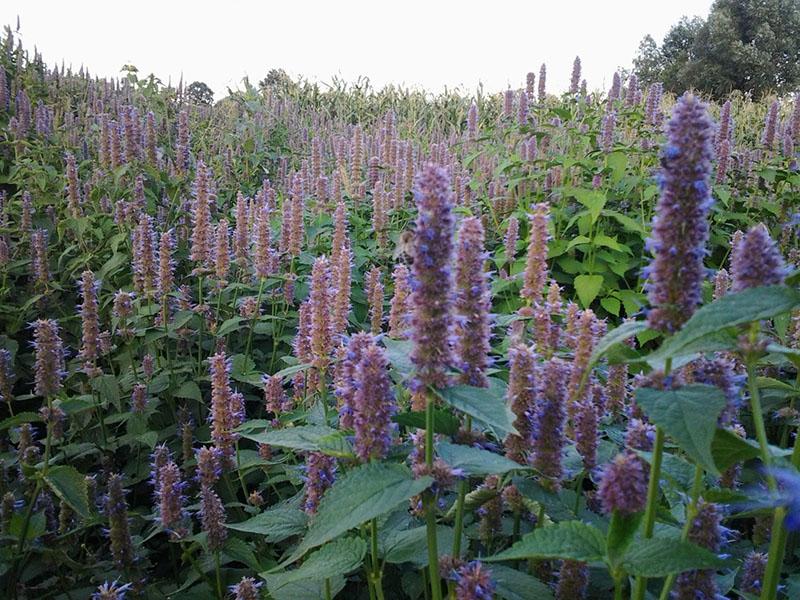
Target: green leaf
364	493
732	309
108	389
728	449
398	352
659	557
569	540
307	589
511	584
70	486
190	390
237	550
314	438
410	545
617	161
593	200
485	404
335	558
19	419
620	533
475	461
688	415
443	422
616	336
612	305
275	525
230	325
587	287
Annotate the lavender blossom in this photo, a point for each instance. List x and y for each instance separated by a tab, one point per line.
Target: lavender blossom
375	298
116	510
472	304
536	266
212	517
680	227
320	474
373	405
345	384
573	580
225	415
400	308
575	79
247	589
756	261
49	368
320	306
111	591
7	377
171	500
90	323
623	487
770	125
39	267
432	282
511	237
753	568
521	399
548	422
201	216
474	582
262	252
705	531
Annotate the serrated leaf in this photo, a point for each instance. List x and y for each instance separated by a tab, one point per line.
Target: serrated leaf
398	352
485	404
443	422
305	437
659	557
511	584
733	309
275	525
569	540
237	550
191	390
19	419
335	558
230	325
728	449
587	287
688	415
70	486
364	493
410	545
475	461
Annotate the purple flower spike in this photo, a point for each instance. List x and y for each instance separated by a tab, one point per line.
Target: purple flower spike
373	405
756	261
623	487
474	582
432	281
680	227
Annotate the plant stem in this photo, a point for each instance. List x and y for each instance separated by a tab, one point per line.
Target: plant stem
777	546
253	320
376	568
429	502
220	594
652	495
691	512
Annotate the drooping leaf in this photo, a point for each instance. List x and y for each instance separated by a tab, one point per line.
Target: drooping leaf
364	493
475	461
484	404
443	422
70	486
588	287
733	309
275	525
338	557
688	415
659	557
512	584
570	540
314	438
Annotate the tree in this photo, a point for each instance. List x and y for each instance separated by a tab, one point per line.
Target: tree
199	93
747	45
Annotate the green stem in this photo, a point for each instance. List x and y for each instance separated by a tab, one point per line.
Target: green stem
376	568
429	502
777	546
218	571
691	512
202	326
328	591
253	320
652	495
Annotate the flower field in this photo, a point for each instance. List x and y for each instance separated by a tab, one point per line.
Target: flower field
336	342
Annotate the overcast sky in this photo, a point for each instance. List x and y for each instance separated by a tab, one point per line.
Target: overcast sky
431	43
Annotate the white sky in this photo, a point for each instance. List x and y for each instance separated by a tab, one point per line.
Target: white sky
430	43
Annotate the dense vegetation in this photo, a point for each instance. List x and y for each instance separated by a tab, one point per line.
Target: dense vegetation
752	46
307	343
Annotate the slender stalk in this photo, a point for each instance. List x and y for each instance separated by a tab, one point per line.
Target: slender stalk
777	546
376	568
652	495
328	592
253	320
220	593
691	512
429	503
202	326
